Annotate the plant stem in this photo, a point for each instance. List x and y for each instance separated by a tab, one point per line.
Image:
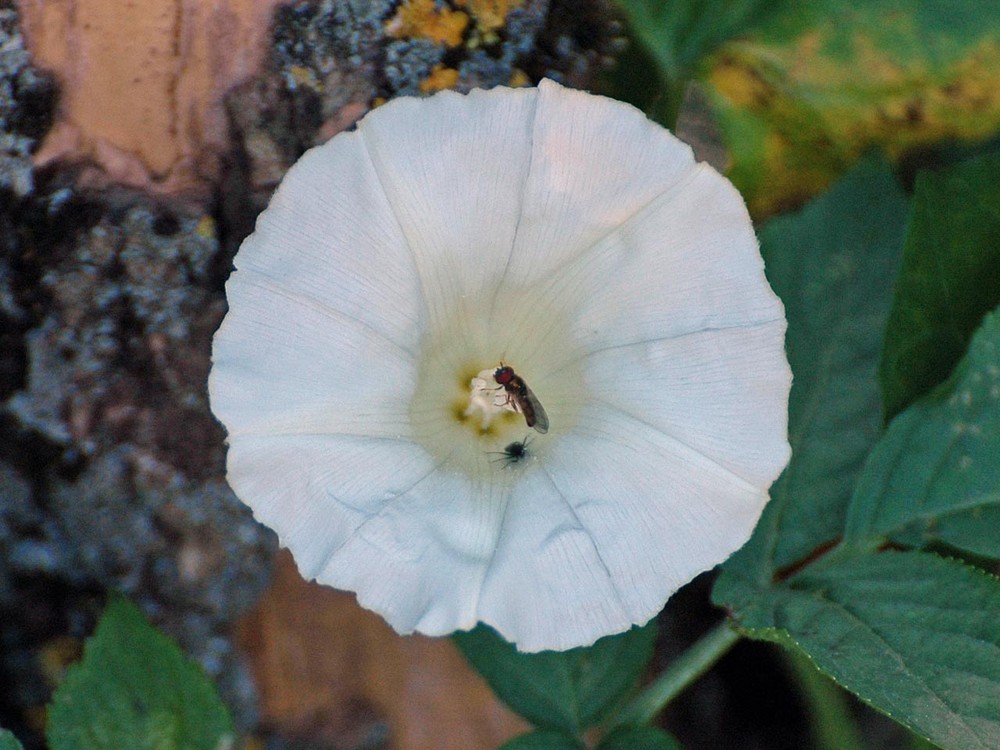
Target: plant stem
832	724
687	668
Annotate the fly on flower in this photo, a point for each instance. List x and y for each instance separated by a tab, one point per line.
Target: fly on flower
521	397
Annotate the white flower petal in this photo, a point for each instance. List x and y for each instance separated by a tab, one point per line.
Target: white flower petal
285	363
331	234
326	311
627	243
454	182
669	271
595	163
548	585
721	392
419	561
315	490
671	515
626	539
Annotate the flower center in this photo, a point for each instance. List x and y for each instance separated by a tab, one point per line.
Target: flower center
487	400
470	421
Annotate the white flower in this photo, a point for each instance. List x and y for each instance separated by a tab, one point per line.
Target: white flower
578	243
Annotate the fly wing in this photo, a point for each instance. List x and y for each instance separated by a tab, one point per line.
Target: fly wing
538	418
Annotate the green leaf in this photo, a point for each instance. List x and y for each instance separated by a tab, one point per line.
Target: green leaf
813	88
935	475
135	689
832	264
915	635
949	279
8	741
543	739
678	35
639	738
569	690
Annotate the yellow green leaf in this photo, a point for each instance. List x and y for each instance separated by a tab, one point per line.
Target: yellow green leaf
807	93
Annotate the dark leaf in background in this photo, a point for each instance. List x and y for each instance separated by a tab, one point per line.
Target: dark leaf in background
568	690
913	634
950	278
680	34
543	739
639	738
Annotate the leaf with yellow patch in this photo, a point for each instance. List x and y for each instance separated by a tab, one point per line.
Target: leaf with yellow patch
808	92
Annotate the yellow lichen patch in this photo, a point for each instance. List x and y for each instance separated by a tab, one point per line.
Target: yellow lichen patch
206	228
518	78
440	78
491	15
303	77
422	20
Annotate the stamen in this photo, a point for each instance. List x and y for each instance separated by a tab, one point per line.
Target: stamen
486	400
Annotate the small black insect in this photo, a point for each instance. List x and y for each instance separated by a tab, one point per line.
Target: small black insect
512	453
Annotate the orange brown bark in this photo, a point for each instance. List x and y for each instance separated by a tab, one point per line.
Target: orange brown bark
329	670
142	83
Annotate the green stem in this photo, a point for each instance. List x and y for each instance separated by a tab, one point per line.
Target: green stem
687	668
833	724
